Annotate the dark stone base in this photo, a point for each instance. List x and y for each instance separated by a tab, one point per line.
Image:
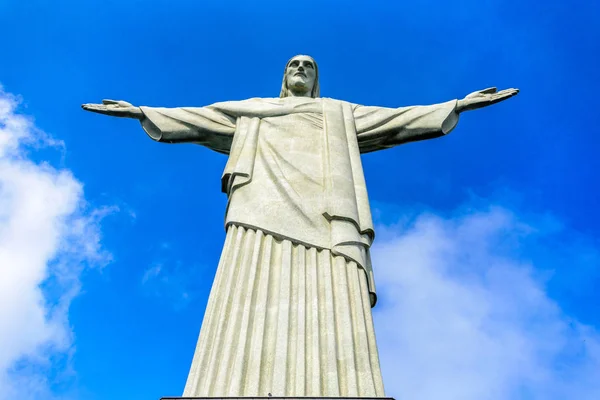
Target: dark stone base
277	398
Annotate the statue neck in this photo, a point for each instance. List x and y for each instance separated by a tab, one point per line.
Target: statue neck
291	93
299	92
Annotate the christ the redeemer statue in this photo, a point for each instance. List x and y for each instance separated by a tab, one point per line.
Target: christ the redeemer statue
289	313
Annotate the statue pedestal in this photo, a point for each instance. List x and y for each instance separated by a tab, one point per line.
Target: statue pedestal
277	398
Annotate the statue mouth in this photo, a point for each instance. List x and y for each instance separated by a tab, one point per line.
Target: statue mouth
300	73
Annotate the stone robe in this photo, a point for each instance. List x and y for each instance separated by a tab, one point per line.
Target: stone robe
289	312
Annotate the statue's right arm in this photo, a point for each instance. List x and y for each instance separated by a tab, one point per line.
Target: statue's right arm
201	125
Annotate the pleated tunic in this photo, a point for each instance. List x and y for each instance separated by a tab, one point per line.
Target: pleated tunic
285	319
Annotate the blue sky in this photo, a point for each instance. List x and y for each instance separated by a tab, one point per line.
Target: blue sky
487	258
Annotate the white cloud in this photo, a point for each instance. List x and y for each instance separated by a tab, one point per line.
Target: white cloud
47	237
465	311
151	273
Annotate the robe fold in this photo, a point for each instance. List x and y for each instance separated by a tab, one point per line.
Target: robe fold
294	179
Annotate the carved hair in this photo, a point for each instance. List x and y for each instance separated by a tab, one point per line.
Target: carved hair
285	92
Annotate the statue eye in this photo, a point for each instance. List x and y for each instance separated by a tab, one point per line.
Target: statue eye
294	64
309	65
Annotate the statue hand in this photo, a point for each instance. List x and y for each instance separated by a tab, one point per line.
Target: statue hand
484	98
115	108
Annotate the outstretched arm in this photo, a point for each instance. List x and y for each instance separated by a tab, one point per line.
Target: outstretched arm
203	125
380	128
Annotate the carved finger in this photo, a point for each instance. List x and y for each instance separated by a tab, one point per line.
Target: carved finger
90	106
497	99
511	91
98	108
489	90
109	101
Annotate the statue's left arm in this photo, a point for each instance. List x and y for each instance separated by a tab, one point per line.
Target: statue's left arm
380	128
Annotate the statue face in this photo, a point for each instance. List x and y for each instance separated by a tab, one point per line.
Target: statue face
300	74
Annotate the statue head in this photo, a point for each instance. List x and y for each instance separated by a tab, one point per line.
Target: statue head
300	78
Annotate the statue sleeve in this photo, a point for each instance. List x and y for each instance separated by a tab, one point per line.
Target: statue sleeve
380	128
204	125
